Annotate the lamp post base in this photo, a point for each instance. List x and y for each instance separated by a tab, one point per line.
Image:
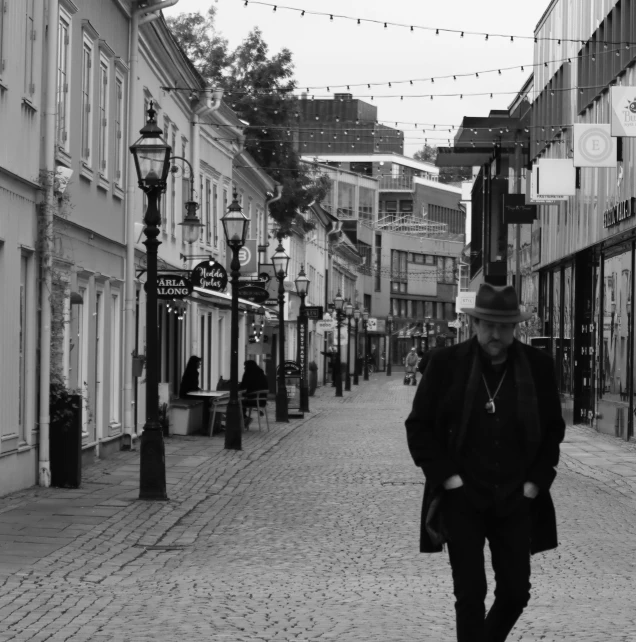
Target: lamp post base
281	404
348	383
304	398
233	436
152	458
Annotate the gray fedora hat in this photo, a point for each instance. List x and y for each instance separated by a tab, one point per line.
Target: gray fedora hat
497	303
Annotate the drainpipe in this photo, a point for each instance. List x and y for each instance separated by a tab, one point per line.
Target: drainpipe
200	110
44	463
140	15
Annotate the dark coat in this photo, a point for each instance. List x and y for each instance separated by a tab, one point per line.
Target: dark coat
436	429
254	378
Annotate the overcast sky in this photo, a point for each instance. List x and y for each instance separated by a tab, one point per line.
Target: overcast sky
335	53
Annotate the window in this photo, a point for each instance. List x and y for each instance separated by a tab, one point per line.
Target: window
366	202
63	71
173	188
29	47
208	223
345	200
119	119
115	340
87	86
165	213
104	72
215	217
201	204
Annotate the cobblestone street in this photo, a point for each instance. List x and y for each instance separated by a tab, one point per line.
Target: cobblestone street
309	533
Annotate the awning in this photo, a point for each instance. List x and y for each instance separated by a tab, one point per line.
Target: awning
225	300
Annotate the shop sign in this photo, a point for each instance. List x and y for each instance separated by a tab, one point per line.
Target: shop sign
556	177
619	212
532	179
209	275
313	311
292	373
372	325
516	211
594	146
325	326
172	286
623	109
465	301
253	293
247	256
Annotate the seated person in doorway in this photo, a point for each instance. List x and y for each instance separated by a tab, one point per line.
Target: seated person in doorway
254	378
190	379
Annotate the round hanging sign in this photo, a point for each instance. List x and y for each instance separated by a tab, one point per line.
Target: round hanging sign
209	275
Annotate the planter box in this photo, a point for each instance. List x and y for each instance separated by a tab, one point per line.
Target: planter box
186	416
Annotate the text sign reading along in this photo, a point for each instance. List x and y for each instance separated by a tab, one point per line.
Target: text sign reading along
172	286
209	275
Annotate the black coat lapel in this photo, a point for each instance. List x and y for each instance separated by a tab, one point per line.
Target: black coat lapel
468	390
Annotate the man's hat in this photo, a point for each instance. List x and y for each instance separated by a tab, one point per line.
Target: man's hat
498	304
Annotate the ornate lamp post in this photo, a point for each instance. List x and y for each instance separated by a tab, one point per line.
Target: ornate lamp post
356	319
365	321
348	310
280	261
151	154
338	303
302	286
235	225
389	329
426	322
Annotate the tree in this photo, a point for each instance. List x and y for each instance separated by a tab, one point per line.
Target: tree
447	175
259	87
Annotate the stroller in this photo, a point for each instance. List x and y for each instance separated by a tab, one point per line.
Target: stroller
409	379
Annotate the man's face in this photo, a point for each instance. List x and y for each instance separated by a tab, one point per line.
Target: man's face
494	338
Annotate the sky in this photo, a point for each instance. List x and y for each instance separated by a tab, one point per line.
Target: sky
330	53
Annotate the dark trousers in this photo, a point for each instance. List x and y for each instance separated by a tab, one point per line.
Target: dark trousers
507	529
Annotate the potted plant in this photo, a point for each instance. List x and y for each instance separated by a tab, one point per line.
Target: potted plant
313	377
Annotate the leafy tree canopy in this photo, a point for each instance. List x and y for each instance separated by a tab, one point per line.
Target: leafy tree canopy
428	154
259	88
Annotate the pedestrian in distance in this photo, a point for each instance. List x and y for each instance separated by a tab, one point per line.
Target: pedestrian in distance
410	364
440	342
190	379
254	378
485	428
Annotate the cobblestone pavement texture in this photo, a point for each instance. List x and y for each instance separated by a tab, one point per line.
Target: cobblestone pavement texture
309	533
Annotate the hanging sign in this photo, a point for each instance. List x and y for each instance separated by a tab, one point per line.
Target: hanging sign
313	311
623	111
556	177
253	293
247	256
465	301
325	326
594	146
531	190
172	286
209	275
516	211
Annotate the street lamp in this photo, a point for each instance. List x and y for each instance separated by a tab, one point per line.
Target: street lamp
356	318
302	286
349	314
191	223
151	154
338	304
389	328
365	323
280	261
235	225
426	322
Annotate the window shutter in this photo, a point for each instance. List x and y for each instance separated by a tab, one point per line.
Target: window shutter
67	40
66	88
118	174
103	165
64	136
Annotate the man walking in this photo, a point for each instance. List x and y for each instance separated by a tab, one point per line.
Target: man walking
485	428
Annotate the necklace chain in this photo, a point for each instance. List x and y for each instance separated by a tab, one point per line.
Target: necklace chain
493	397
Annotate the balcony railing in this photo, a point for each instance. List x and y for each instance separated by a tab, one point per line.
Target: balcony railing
396	183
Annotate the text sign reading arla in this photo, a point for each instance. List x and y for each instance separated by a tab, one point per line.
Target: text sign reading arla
172	286
209	275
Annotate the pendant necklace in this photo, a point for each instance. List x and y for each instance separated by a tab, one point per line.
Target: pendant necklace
490	404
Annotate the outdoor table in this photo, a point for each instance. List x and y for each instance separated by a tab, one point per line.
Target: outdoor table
218	394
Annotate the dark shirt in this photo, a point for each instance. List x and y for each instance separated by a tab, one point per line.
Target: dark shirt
493	463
